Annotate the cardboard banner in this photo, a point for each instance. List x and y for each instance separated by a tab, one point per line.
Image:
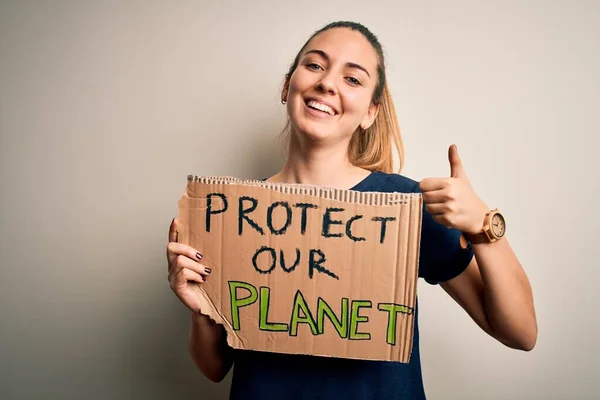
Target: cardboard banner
303	269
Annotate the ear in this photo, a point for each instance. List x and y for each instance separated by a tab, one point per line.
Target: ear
370	117
285	90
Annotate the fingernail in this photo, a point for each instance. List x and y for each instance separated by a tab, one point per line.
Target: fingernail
199	256
208	270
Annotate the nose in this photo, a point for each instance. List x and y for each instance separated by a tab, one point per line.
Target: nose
326	85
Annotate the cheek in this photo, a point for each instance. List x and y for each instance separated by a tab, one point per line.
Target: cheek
299	81
356	102
293	88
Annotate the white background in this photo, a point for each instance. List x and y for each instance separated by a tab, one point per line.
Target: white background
105	107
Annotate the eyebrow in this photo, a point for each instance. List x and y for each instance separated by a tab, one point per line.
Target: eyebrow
349	64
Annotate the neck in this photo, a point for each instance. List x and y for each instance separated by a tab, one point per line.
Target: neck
329	166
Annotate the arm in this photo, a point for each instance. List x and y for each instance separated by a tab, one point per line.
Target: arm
495	292
207	345
208	348
494	289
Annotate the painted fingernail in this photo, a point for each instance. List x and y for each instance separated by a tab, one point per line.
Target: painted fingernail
208	270
199	256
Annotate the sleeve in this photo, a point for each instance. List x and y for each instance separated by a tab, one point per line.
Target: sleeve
441	256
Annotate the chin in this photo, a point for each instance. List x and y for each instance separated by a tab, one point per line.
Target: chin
313	130
314	133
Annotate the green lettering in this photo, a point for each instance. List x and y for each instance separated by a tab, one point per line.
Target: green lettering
393	310
355	319
237	303
263	324
341	324
300	305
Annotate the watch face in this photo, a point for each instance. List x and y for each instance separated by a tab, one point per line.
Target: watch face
498	227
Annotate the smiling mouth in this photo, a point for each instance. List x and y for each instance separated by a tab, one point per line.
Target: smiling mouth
315	105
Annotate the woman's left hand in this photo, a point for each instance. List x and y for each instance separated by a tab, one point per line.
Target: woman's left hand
452	201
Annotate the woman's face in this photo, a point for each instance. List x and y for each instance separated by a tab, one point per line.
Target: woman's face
330	92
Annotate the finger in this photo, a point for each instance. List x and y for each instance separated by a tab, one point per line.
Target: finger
436	209
456	167
185	262
184	276
173	230
180	249
431	184
175	249
442	219
171	255
435	196
172	238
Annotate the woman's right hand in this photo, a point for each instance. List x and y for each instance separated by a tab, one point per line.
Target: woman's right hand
185	270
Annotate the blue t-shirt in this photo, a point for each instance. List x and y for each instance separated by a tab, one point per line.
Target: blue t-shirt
264	376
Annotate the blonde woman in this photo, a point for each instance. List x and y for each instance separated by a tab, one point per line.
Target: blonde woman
341	132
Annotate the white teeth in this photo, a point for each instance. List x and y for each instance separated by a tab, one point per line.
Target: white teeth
321	107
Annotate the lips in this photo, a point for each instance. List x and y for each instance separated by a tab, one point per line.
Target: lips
321	105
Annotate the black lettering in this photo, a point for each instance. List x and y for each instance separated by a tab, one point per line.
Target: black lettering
273	259
304	207
349	229
327	221
315	264
210	211
288	219
242	214
383	221
282	261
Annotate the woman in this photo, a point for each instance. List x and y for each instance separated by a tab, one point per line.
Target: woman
340	133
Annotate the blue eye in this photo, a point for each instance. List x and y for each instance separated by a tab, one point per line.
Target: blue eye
353	80
313	66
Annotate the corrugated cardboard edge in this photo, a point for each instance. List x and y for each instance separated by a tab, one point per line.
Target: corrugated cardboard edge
416	282
344	195
208	308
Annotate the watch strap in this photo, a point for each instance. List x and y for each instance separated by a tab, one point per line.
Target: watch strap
478	238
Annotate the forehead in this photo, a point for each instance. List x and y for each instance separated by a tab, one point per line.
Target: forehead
345	45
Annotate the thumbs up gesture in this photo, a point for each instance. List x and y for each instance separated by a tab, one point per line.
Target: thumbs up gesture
452	201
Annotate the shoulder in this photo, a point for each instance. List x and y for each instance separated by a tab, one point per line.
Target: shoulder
389	182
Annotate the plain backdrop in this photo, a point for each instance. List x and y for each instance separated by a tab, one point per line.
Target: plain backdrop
106	106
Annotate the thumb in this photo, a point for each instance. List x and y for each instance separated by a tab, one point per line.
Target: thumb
173	234
456	167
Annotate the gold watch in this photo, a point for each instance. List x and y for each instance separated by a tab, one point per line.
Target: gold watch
494	228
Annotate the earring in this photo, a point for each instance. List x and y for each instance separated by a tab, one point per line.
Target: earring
283	101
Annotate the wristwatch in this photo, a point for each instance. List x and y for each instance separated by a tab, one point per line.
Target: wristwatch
493	229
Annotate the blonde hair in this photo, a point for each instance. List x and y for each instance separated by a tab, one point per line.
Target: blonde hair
370	148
